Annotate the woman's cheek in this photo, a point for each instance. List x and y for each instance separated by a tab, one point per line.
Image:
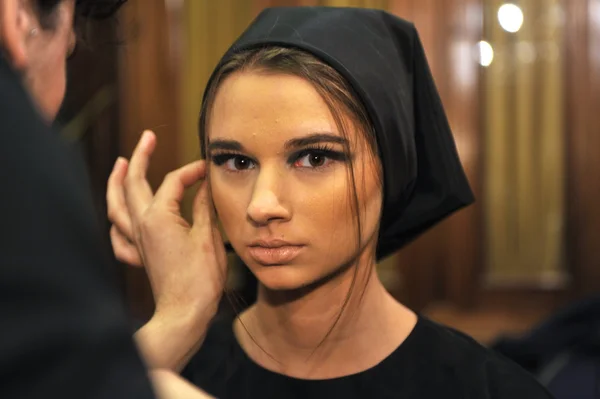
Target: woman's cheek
227	200
331	210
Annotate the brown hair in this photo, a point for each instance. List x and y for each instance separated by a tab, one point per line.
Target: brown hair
332	87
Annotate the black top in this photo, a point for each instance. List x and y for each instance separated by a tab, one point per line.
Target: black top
64	331
433	362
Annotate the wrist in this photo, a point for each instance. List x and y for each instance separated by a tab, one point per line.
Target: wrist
172	336
186	321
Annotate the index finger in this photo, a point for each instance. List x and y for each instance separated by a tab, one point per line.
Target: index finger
115	198
138	192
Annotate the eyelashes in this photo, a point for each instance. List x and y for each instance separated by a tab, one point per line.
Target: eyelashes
235	161
311	158
324	152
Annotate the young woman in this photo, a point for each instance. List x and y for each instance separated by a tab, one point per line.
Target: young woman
327	148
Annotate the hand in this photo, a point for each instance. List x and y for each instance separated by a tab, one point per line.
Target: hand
186	264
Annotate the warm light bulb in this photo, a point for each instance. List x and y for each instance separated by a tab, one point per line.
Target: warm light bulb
486	53
510	17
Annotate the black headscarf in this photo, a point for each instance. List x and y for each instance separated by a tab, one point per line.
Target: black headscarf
382	58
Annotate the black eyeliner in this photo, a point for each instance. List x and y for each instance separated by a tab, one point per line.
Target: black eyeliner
222	157
325	151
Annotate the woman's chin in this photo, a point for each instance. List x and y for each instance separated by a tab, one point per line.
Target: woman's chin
283	277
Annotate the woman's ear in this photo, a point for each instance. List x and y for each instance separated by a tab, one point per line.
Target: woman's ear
17	26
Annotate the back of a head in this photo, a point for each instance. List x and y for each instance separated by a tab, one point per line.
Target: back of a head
96	9
36	52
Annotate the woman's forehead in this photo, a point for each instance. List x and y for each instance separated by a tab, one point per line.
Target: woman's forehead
273	108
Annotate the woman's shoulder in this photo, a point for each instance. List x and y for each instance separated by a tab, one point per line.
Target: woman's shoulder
480	371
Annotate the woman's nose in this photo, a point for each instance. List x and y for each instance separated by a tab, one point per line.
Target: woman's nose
266	205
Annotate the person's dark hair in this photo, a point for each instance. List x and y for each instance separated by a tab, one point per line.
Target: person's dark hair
95	9
341	99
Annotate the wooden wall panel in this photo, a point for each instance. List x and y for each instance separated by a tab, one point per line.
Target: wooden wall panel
149	89
582	88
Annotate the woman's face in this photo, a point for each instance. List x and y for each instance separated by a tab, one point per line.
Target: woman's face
39	54
280	180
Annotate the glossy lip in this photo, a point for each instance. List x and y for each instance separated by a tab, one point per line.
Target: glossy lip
273	252
272	244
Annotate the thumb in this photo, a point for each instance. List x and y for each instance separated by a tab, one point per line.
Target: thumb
175	183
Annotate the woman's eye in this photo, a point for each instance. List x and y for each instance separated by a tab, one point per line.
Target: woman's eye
234	163
239	163
312	160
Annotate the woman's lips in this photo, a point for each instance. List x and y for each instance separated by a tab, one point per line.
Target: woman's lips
271	256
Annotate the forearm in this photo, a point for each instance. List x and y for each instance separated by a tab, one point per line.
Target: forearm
168	342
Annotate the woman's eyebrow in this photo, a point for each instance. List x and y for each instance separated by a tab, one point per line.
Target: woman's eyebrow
230	145
315	139
233	145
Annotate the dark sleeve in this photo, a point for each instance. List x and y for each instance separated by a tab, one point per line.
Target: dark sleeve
64	330
507	380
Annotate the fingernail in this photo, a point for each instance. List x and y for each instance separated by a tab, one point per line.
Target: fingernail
146	136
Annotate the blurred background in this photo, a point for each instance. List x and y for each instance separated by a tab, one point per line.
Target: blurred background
521	86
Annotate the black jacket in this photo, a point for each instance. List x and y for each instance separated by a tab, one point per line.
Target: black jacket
64	330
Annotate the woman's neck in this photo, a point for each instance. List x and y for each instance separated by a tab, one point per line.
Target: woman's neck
306	336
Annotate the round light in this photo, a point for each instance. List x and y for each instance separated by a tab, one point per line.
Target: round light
486	53
510	17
